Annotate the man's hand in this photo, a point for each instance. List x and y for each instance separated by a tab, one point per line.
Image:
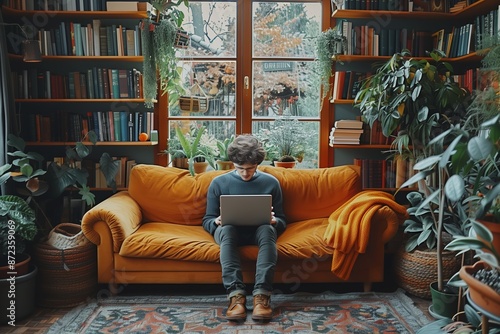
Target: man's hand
218	221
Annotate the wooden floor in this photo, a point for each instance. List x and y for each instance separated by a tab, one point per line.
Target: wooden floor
41	320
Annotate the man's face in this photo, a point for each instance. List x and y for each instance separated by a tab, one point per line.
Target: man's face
246	171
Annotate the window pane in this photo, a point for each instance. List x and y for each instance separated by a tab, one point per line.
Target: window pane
212	27
304	146
284	29
209	85
218	129
285	88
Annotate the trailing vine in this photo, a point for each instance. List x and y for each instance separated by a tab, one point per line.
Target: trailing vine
328	44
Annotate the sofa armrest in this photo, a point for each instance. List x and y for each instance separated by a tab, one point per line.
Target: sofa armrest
390	220
120	212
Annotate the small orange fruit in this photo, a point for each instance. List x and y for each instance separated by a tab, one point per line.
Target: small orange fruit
143	136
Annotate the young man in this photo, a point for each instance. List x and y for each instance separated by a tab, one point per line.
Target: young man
246	152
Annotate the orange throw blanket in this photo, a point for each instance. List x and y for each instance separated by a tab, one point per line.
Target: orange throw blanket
349	227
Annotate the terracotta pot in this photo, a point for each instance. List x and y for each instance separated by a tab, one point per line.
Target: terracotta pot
480	293
21	267
494	228
180	163
225	165
200	167
285	164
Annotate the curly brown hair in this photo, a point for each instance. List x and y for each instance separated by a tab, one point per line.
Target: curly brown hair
246	149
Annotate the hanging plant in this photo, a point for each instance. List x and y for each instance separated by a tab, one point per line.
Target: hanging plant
329	44
161	35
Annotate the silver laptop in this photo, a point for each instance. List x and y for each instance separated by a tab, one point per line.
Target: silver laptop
245	210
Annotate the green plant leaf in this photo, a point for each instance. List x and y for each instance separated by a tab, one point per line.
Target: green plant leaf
479	148
454	188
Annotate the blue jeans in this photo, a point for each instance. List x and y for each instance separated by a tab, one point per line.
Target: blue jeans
229	239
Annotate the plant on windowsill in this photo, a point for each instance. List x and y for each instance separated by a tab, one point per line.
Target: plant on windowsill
196	145
329	44
284	140
223	162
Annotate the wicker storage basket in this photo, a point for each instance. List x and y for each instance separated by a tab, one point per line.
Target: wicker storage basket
66	235
416	270
65	277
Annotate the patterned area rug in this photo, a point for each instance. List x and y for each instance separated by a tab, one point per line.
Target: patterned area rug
293	313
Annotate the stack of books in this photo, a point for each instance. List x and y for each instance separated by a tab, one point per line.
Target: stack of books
346	132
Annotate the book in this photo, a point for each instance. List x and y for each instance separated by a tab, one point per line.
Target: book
122	6
348	124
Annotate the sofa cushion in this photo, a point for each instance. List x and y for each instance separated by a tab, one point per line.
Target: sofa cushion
170	195
301	240
171	241
315	193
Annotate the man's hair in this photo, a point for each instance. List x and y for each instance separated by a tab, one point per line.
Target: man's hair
246	149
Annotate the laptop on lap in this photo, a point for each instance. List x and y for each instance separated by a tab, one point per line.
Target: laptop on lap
245	210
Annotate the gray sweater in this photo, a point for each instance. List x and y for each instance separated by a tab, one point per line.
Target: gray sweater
232	184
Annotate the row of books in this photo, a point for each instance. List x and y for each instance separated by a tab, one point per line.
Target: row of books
384	173
406	5
64	5
368	41
346	84
95	83
347	132
92	39
116	126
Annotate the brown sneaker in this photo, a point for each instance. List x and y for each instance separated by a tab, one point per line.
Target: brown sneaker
237	309
262	308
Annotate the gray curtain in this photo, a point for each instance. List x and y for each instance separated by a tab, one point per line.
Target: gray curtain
7	107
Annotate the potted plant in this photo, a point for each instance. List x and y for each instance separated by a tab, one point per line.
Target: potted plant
196	146
458	154
159	38
329	44
26	168
17	227
483	108
413	100
483	277
223	162
284	141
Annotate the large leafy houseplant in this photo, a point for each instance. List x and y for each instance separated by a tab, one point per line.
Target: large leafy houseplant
27	169
413	99
17	226
458	154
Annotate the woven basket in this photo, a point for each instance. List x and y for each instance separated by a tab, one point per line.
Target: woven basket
67	235
416	270
65	277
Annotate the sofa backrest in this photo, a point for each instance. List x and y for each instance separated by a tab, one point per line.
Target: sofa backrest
315	193
172	195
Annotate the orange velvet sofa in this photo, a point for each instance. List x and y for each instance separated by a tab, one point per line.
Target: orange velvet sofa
152	232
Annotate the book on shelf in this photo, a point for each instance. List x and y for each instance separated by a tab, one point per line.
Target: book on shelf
343	141
129	6
94	83
348	124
